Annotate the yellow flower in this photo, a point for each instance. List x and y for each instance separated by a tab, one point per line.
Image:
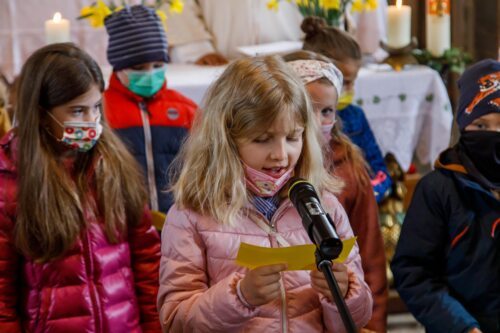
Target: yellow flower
330	4
358	6
371	4
273	5
176	6
303	3
96	13
161	15
87	10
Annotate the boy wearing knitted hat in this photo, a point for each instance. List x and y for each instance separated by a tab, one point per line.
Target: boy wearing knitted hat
447	263
151	119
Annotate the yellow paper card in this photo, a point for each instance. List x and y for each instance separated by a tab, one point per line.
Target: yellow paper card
300	257
158	219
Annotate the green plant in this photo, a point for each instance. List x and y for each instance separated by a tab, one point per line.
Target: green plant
453	60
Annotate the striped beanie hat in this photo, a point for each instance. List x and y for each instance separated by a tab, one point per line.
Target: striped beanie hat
136	36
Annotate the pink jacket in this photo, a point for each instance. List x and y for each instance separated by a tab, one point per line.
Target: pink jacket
198	276
95	287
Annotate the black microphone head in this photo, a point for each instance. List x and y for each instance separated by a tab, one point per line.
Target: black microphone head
300	188
316	221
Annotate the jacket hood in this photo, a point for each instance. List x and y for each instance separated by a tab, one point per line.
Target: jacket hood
450	160
455	159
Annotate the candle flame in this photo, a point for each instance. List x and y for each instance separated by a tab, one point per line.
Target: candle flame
399	3
57	17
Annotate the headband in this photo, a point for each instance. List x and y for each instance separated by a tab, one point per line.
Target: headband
312	70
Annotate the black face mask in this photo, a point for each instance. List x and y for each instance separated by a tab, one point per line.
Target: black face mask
483	149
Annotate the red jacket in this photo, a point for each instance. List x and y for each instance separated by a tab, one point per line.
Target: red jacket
95	287
361	208
153	129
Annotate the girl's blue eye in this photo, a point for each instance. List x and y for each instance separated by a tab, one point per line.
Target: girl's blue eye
77	111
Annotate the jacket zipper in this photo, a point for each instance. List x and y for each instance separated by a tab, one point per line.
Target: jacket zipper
284	322
148	147
90	275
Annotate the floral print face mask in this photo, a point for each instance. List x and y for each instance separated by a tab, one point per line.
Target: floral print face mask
80	135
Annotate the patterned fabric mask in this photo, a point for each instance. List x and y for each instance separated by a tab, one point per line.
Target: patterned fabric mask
80	135
263	185
146	83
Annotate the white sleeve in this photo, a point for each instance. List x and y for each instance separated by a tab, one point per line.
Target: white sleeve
186	27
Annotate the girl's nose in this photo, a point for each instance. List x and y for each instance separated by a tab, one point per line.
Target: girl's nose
279	151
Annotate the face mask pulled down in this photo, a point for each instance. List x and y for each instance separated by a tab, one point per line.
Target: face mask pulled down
264	185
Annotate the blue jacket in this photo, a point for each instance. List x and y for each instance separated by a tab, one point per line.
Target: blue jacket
447	261
355	125
153	129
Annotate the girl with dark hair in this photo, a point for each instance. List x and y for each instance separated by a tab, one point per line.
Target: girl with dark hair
78	253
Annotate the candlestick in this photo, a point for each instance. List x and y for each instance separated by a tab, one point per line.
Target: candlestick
438	26
398	25
57	30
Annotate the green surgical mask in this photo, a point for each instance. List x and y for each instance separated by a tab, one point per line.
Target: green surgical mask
146	83
346	98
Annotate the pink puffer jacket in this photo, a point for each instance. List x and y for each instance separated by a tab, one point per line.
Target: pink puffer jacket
198	277
95	287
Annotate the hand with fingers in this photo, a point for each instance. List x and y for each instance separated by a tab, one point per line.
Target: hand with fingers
319	283
262	284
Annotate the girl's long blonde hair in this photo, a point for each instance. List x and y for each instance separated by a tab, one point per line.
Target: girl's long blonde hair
51	202
353	153
242	104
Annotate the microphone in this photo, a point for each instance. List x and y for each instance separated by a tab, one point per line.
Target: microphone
318	224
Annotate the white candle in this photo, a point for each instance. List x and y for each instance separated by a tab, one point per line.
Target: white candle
438	35
57	30
398	25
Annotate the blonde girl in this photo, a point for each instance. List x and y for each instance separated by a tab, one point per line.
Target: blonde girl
256	131
344	51
78	253
323	82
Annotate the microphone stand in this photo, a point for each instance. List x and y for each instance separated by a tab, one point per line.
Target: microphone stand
324	264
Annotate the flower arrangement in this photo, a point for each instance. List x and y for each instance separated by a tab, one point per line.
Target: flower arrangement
98	11
331	10
453	60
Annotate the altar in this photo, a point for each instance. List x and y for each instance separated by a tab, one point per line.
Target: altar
408	111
